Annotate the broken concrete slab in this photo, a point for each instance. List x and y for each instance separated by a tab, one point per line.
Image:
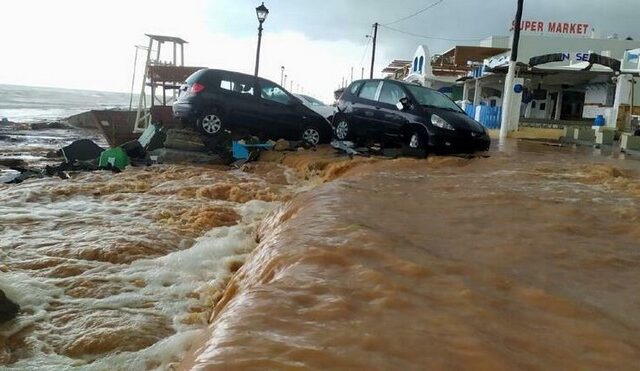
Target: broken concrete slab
184	140
173	156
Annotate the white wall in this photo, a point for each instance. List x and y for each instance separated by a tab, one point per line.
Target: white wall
597	98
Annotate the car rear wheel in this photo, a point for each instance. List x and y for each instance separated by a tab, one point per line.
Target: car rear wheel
311	135
210	124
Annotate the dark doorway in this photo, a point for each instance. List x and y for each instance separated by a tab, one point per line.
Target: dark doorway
572	105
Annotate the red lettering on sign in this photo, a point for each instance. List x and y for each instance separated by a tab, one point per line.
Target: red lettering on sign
586	28
527	25
541	26
565	28
552	27
572	29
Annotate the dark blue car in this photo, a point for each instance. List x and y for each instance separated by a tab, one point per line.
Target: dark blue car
419	117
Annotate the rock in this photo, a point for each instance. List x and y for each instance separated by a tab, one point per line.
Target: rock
13	139
281	145
8	309
49	125
12	162
54	154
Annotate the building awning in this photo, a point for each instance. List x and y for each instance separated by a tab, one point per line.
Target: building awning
166	38
170	74
594	59
396	65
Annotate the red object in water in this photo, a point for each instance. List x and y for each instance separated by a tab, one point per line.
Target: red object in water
196	88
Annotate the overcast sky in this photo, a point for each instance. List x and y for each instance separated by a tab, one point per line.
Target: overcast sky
89	44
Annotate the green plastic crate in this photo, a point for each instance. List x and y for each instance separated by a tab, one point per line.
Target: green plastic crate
114	157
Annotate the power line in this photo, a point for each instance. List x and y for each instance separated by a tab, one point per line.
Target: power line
364	52
427	37
414	14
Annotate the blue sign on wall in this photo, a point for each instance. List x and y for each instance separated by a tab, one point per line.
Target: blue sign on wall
518	88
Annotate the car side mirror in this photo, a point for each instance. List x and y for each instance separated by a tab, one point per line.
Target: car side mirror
403	104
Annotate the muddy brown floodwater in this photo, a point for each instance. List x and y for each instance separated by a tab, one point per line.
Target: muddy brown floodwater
526	260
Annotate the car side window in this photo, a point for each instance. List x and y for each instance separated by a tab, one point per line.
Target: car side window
369	90
391	93
236	85
274	93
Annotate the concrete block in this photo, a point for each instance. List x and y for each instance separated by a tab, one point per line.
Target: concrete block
568	131
605	137
584	134
629	142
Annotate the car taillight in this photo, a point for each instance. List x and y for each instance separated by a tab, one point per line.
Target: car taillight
196	88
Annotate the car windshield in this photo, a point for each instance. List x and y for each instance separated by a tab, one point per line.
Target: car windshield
311	100
431	98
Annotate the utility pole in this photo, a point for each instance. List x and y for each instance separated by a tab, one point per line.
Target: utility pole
373	52
282	76
291	88
362	74
509	93
284	85
351	75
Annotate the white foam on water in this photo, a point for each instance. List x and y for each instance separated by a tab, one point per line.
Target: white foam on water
169	279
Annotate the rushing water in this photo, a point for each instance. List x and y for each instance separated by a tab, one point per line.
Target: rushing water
528	259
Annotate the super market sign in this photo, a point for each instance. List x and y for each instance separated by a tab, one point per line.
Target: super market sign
561	28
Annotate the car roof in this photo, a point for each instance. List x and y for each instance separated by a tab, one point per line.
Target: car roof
390	80
215	70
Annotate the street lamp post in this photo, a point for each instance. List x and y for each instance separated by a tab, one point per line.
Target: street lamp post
282	76
261	13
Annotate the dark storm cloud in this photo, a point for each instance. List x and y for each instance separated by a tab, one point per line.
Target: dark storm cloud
453	19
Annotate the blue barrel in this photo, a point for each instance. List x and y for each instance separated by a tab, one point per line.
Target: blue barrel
599	121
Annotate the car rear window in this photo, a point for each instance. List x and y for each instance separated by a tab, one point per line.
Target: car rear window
196	76
369	90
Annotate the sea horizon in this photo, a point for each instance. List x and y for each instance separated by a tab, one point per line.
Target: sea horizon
24	103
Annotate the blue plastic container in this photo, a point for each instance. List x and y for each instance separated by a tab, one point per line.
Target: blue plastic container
599	121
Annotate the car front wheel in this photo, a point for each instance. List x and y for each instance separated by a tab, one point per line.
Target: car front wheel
210	124
417	143
343	129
